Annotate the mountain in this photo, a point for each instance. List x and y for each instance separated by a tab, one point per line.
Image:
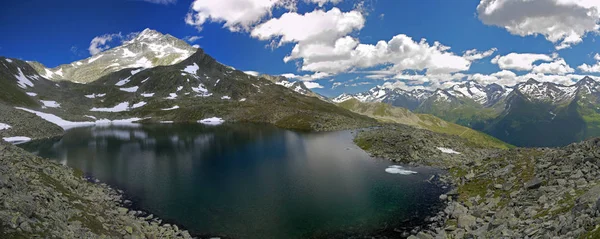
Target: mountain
530	113
148	49
397	97
297	86
386	113
196	88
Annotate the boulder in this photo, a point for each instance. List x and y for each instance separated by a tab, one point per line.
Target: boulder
466	221
534	183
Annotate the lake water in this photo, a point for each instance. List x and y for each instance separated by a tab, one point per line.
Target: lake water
249	181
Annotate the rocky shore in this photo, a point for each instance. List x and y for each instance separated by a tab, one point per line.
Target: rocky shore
517	193
43	199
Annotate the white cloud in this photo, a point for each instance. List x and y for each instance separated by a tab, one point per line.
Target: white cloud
597	57
192	39
557	67
312	85
474	54
336	85
312	27
196	46
307	77
562	22
165	2
323	2
519	61
100	43
236	15
590	68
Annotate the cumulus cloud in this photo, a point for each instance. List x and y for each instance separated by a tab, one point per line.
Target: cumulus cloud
312	85
307	77
519	61
236	15
165	2
323	2
313	27
100	43
558	67
562	22
474	54
595	68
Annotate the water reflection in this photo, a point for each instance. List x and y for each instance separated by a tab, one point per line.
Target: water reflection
245	180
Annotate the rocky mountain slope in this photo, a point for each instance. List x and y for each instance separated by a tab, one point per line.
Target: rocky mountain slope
517	193
387	113
531	113
148	49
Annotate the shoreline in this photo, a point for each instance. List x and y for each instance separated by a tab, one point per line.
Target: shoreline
128	202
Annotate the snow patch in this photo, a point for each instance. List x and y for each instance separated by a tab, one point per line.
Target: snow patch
31	94
147	95
92	96
94	58
171	96
133	72
242	99
212	121
225	97
192	69
179	88
17	139
65	124
123	81
138	105
23	81
9	60
166	122
124	106
50	103
128	53
397	169
130	89
172	108
448	150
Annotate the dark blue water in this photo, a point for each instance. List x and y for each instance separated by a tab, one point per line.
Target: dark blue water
248	181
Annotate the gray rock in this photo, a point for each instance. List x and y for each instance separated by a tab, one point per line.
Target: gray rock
466	221
422	235
443	197
534	183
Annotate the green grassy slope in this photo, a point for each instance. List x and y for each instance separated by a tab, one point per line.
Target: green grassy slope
388	113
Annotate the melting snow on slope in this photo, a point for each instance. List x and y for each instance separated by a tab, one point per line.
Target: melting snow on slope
50	103
124	106
145	80
9	60
94	58
4	126
447	150
17	139
65	124
123	81
397	169
212	121
147	95
172	108
138	105
133	72
128	53
130	89
192	69
201	90
92	96
171	96
31	94
23	80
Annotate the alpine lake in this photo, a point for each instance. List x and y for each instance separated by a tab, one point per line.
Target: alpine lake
250	180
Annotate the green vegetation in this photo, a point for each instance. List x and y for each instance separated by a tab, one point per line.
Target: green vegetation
389	114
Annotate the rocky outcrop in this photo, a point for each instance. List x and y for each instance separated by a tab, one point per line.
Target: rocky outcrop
43	199
517	193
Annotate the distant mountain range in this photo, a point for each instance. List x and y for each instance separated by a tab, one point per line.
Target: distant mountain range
531	113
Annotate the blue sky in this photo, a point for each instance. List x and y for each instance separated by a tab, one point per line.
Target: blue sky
59	32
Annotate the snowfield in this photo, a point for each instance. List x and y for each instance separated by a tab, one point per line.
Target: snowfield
65	124
212	121
447	150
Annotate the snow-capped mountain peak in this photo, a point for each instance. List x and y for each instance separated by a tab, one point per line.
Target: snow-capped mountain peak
148	49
